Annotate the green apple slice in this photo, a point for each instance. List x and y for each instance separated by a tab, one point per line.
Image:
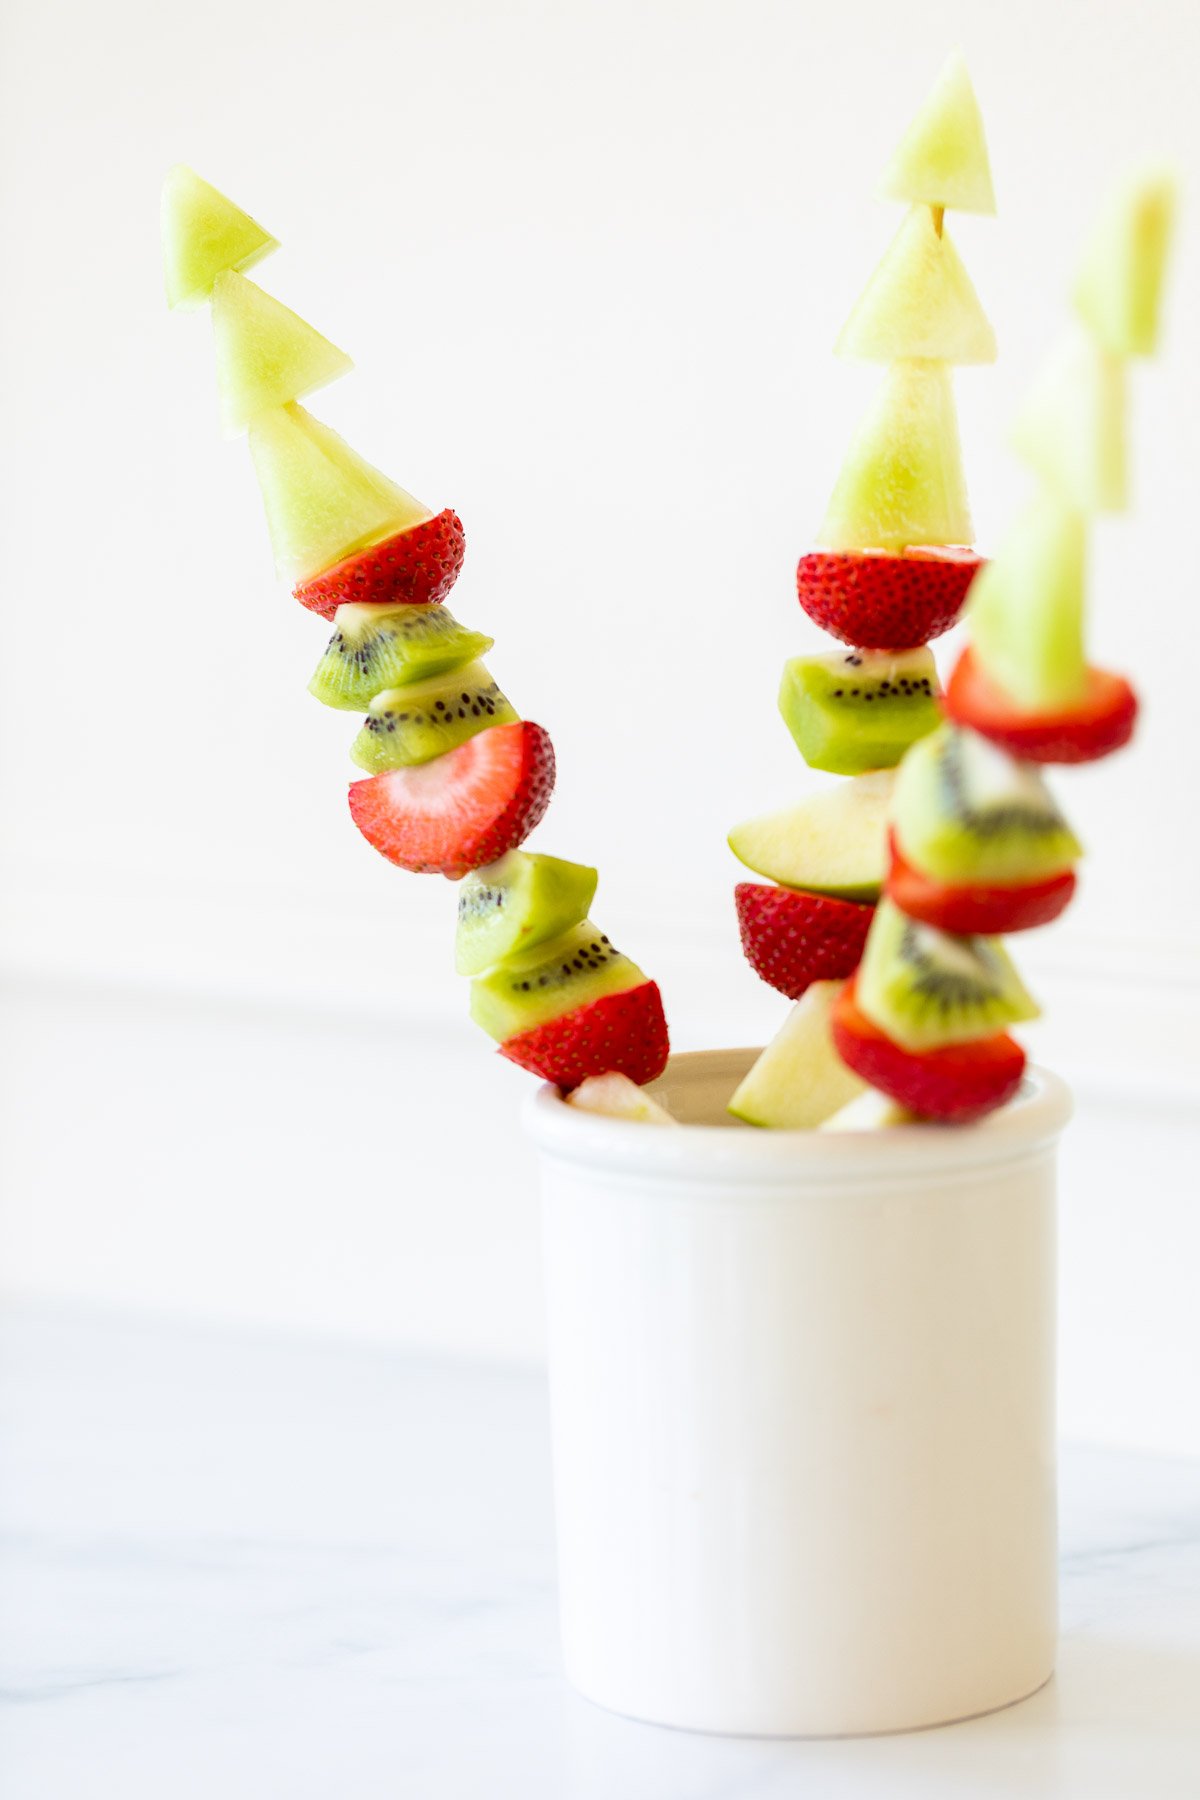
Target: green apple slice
942	157
835	842
902	481
266	354
1120	281
616	1097
1071	426
203	234
871	1111
322	500
1025	611
799	1081
920	302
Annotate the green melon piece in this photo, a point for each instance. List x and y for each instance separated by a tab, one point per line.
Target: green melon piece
859	709
799	1080
1025	611
902	482
965	812
920	302
266	354
376	647
1119	287
203	234
424	719
1071	426
926	988
513	904
322	500
543	983
942	158
835	842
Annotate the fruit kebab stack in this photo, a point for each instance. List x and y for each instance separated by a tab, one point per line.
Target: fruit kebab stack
455	779
892	574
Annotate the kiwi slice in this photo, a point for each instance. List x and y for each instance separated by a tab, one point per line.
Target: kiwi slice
859	709
925	988
966	811
543	983
378	647
414	724
515	903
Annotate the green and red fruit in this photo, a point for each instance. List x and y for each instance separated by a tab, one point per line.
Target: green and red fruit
835	842
623	1034
926	988
467	808
792	939
203	234
975	909
1100	721
859	710
414	567
799	1081
516	903
956	1083
378	647
424	719
877	601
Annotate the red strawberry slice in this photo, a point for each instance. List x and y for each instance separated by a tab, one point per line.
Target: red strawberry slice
791	938
878	601
966	910
1096	726
959	1082
416	567
623	1032
463	809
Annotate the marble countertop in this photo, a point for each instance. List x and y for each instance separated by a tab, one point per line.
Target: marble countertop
284	1570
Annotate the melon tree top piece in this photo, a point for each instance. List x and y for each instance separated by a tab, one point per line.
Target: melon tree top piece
1119	286
203	234
1071	425
902	481
1026	608
266	354
920	302
942	158
322	500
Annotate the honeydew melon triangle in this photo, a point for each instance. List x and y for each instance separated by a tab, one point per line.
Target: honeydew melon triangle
203	234
266	354
1071	425
902	480
920	302
942	158
1025	612
1119	286
322	500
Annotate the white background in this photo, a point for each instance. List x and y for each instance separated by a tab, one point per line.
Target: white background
589	259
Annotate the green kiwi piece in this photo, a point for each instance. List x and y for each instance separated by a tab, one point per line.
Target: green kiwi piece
860	709
413	724
511	905
925	988
964	811
378	647
543	983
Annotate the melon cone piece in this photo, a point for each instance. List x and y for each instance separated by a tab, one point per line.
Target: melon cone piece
322	500
1025	613
902	481
266	354
920	302
942	157
1119	286
1071	426
203	234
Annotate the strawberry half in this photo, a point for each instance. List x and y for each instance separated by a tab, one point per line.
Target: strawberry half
874	600
791	938
969	910
463	809
416	567
625	1033
959	1082
1096	726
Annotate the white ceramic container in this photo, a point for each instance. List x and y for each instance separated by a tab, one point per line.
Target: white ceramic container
802	1390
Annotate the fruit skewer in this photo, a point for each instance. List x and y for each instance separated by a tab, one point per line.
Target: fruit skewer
455	780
